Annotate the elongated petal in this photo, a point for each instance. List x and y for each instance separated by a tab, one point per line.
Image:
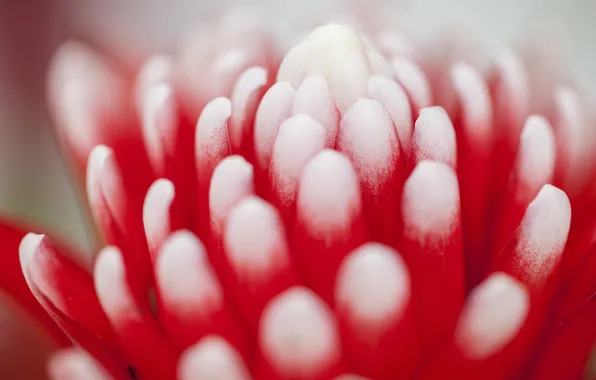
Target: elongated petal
432	246
329	220
139	337
313	98
159	214
168	137
373	297
368	136
88	95
13	282
211	146
66	291
212	359
299	139
192	304
74	364
534	252
118	214
534	168
433	139
258	257
473	126
299	338
494	313
233	180
275	107
246	96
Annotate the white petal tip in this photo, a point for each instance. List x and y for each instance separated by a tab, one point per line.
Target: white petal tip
29	245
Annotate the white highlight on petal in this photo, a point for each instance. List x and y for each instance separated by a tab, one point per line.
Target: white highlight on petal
313	98
255	240
97	160
156	212
395	101
413	80
298	140
74	364
211	140
27	248
373	285
298	334
212	358
537	149
250	82
512	98
275	107
233	180
494	313
159	123
434	137
84	91
431	202
104	184
368	137
110	284
575	138
335	52
156	69
543	234
184	276
476	106
329	193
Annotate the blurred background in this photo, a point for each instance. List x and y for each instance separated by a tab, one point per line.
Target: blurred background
34	185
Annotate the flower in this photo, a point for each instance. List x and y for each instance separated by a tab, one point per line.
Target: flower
350	211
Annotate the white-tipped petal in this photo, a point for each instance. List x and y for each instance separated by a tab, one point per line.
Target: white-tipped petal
243	101
157	69
211	141
543	235
337	53
537	149
494	313
430	205
233	180
110	283
156	212
299	139
434	137
160	121
368	137
275	107
298	334
255	240
329	193
395	101
313	98
74	364
414	82
212	358
374	286
187	284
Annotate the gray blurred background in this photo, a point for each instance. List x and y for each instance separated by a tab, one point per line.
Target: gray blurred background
33	181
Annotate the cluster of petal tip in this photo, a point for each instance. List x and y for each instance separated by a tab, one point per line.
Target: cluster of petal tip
346	214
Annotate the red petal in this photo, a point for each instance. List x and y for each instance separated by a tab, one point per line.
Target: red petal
373	303
432	247
139	336
329	221
13	282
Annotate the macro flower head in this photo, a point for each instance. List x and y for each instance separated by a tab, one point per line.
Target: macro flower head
352	208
